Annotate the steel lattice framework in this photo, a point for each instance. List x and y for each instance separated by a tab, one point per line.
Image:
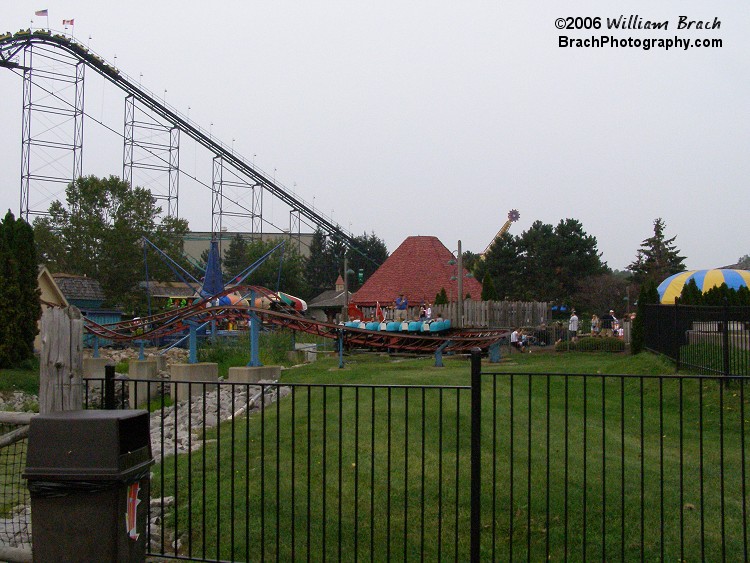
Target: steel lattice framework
51	126
61	61
153	148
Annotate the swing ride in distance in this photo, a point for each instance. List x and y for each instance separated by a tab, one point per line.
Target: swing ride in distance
236	304
240	304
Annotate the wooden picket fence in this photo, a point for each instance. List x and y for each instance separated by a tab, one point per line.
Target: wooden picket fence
486	314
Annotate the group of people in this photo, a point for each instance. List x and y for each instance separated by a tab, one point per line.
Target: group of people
402	306
608	325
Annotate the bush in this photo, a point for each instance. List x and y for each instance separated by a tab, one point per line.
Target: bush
603	344
235	352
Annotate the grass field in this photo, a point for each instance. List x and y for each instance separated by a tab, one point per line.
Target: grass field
602	467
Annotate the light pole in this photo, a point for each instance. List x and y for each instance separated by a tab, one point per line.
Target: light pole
347	271
459	262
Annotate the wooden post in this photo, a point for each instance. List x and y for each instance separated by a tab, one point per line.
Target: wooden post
61	362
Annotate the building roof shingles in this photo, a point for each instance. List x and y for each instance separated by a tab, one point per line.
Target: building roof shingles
418	268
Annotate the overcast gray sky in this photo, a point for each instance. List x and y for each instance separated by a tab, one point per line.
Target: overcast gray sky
437	118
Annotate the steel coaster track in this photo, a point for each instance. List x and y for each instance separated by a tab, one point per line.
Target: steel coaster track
179	320
11	45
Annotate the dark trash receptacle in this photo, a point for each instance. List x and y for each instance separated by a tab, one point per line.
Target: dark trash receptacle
88	475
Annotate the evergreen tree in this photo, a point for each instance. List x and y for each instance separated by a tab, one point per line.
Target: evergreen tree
28	269
503	263
658	258
235	256
316	271
19	296
282	270
690	294
544	263
488	288
442	297
367	254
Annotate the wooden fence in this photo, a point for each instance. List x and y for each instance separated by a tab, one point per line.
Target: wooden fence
485	314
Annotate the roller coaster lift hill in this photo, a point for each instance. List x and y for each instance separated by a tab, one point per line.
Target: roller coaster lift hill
240	302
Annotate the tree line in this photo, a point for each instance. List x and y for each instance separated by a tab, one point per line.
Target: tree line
98	232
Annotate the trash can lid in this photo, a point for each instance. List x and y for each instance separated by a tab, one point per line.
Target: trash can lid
90	444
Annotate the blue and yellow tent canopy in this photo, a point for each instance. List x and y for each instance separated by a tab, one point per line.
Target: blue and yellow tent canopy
671	287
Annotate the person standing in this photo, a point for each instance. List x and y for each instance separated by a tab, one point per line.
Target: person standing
608	323
573	327
594	325
516	339
402	303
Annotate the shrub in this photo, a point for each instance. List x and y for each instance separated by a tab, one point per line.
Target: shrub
603	344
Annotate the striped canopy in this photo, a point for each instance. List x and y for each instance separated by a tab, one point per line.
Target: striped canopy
704	279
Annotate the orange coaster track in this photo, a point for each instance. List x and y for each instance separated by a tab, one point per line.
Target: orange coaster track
179	320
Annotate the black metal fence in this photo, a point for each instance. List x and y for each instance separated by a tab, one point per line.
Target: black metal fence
707	339
511	467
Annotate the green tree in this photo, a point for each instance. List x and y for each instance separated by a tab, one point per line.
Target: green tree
690	294
544	263
599	293
658	258
317	272
282	270
442	297
98	233
19	295
503	262
367	254
235	256
488	288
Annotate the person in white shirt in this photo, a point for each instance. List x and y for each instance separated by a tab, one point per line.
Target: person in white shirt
573	327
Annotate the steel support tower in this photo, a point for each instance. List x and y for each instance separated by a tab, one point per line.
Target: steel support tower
51	127
236	204
151	155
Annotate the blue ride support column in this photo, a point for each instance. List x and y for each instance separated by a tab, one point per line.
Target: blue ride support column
254	322
141	353
96	346
494	353
439	354
193	343
341	348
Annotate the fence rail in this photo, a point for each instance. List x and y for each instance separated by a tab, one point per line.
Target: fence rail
511	467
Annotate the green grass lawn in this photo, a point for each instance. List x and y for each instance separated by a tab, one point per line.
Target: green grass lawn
594	467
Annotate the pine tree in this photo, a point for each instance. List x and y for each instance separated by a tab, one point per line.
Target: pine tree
235	256
658	258
442	297
488	288
690	294
13	348
30	308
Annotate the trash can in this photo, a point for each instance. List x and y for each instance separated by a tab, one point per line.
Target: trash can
88	476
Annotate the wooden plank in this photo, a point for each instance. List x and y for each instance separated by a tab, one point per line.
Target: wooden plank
61	360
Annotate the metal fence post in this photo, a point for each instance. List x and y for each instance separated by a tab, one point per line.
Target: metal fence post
476	445
109	387
725	338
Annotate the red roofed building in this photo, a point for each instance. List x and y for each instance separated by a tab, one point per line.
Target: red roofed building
418	268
